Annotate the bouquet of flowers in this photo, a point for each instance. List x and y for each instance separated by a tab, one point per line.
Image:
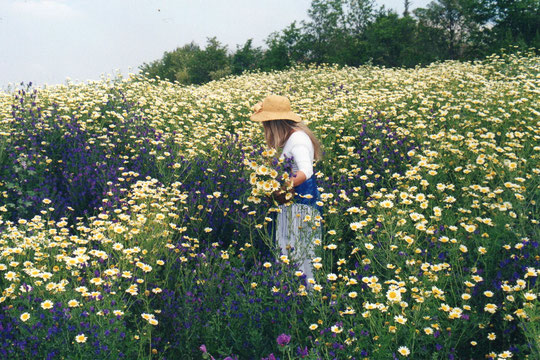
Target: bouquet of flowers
271	179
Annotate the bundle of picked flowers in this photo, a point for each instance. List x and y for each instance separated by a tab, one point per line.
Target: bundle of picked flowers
270	178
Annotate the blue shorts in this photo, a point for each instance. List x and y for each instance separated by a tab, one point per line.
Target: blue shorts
308	187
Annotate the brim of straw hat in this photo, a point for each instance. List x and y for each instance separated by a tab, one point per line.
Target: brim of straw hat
275	115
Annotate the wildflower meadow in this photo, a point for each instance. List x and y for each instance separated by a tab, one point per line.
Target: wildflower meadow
135	217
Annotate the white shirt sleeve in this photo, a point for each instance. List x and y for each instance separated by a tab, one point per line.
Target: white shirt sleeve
303	160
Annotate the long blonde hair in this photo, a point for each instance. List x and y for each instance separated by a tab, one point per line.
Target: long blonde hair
276	133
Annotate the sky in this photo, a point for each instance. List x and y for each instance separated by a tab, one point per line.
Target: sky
50	41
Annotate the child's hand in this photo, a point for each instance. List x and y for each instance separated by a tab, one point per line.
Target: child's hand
282	196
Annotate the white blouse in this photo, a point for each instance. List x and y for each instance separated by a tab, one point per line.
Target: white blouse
300	148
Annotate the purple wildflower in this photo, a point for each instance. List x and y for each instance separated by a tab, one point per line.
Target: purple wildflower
283	339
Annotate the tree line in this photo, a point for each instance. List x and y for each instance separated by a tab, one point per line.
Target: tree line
355	32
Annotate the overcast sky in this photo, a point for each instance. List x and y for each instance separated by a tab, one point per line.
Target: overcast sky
48	41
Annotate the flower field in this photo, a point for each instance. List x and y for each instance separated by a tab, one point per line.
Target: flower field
134	222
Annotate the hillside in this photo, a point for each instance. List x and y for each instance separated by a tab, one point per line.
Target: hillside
130	227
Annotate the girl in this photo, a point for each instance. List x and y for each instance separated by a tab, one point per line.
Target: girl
297	226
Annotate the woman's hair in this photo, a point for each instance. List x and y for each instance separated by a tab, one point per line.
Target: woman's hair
276	133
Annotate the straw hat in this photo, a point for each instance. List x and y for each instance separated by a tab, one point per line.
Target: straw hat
274	107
